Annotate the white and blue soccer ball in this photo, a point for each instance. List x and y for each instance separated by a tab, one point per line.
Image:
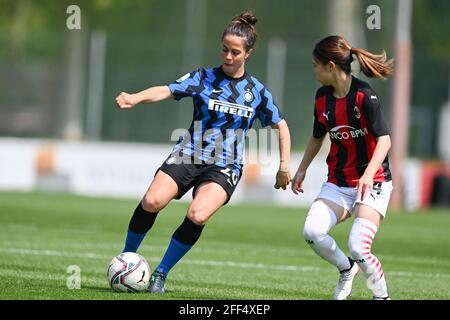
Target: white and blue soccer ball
129	272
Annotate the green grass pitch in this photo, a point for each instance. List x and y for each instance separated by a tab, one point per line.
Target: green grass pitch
245	252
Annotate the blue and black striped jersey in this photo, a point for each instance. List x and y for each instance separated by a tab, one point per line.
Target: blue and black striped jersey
225	109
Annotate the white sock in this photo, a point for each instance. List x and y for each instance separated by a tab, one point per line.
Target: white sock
319	221
360	244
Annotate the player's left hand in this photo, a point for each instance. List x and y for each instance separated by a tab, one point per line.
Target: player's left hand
282	179
364	187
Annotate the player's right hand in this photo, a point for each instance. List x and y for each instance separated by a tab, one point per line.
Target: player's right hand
297	182
126	100
283	178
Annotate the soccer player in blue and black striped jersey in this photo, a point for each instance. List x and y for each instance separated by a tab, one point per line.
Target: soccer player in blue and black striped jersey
209	158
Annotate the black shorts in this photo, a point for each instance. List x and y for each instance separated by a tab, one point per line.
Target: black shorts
193	175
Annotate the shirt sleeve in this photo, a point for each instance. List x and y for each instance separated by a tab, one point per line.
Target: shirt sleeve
269	113
374	115
186	86
319	129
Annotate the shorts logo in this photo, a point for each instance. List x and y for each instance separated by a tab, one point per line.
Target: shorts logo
230	108
232	176
377	189
171	160
248	96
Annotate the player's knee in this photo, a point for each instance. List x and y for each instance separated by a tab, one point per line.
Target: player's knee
356	248
316	226
152	203
313	232
197	215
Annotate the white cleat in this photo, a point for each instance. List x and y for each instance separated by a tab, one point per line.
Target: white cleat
344	286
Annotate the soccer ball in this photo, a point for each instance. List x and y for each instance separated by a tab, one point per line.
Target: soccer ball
129	272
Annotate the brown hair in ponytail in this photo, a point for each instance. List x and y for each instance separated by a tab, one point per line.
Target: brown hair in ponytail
338	50
243	26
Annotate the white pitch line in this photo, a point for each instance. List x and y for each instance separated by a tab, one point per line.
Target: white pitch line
200	249
214	263
88	255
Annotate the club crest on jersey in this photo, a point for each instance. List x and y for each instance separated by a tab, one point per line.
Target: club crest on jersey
357	113
248	96
230	108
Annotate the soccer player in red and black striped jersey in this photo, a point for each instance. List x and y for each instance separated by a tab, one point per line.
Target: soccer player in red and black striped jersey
359	180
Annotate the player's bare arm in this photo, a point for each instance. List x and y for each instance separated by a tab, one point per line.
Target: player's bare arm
313	147
154	94
283	175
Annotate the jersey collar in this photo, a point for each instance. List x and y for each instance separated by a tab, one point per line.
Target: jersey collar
231	78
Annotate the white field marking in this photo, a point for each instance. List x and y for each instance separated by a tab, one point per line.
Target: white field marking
248	250
70	244
87	255
233	264
414	260
38	275
62	229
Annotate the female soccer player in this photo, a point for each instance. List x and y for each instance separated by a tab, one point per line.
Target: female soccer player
359	180
209	158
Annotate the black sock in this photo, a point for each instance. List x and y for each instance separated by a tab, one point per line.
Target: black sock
142	221
188	232
182	241
352	262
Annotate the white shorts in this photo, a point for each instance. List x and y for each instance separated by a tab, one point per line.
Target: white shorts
378	199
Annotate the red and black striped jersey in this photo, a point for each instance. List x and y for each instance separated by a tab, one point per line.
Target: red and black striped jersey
353	122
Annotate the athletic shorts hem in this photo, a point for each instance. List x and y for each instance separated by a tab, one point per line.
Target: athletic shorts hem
211	180
188	176
345	197
180	193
